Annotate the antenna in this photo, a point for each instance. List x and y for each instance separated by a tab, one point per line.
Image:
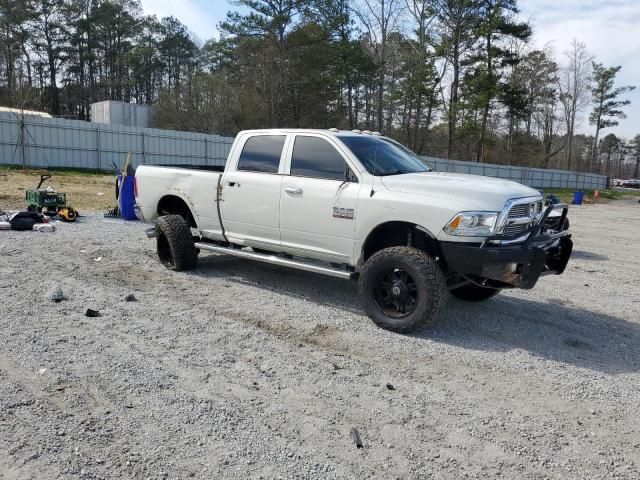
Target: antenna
375	163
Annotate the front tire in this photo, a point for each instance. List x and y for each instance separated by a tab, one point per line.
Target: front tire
402	289
474	293
175	246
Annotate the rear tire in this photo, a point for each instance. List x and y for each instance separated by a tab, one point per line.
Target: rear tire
402	289
474	293
175	246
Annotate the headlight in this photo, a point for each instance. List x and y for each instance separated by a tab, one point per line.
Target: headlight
472	224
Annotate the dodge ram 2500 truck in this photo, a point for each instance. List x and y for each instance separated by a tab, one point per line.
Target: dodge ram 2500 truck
357	205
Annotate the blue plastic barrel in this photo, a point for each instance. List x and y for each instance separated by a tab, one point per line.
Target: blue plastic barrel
127	199
577	198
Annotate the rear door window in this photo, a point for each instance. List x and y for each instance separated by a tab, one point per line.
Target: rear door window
316	158
262	154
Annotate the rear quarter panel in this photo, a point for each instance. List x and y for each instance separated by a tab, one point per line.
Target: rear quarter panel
197	188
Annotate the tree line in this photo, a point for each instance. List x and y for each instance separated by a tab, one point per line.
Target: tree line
451	78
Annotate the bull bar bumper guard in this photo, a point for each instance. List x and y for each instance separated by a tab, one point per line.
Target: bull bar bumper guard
514	261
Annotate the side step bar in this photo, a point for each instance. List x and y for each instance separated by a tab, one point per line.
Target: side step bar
276	260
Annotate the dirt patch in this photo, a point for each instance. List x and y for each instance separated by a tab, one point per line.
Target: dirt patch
87	192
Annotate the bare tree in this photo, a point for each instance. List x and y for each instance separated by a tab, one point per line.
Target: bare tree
430	77
380	18
456	19
573	85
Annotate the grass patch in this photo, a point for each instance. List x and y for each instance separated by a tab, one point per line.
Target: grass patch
86	189
61	171
566	194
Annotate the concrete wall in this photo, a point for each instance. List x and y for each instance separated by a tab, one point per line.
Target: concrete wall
67	143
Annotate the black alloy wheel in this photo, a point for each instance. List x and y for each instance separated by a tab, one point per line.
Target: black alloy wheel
396	292
402	288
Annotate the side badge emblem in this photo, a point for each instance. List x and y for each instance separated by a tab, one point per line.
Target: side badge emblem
347	213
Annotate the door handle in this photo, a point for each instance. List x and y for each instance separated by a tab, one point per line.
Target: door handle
293	191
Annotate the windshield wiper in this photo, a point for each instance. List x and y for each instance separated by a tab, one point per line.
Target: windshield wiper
393	172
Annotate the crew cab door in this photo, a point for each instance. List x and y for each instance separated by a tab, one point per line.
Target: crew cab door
318	203
251	191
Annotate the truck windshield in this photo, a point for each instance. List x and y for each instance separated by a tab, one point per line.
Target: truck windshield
382	156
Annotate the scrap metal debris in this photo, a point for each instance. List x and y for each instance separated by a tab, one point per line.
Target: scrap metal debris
44	227
355	435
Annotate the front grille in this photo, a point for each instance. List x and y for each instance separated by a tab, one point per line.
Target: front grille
521	210
525	210
513	229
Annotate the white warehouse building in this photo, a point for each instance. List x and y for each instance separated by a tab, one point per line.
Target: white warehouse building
120	113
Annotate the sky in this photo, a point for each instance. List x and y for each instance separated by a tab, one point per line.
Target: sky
609	28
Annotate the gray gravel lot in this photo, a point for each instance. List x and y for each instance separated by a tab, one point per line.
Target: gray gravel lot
242	370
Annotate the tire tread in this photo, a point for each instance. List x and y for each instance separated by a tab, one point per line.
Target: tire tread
428	268
178	234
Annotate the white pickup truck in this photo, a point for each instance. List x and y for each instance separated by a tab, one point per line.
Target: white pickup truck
357	205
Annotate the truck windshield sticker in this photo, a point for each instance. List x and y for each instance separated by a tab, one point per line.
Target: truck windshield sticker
348	213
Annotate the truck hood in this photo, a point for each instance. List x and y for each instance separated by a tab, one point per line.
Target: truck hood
480	193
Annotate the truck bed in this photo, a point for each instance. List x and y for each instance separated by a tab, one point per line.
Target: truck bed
195	185
186	166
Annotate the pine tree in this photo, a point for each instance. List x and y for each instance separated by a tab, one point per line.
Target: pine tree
607	106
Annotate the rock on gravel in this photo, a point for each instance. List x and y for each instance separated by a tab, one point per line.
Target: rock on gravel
243	370
56	295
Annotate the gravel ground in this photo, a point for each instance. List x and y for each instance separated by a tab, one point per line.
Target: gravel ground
241	370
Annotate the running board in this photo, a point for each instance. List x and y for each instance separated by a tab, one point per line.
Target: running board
277	260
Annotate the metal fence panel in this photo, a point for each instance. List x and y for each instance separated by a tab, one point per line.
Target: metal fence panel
533	177
52	142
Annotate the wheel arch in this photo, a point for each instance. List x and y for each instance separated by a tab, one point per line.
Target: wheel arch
175	205
396	233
